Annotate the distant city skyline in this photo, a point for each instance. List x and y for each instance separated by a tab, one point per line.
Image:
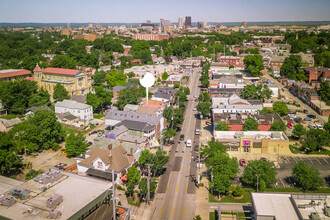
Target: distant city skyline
129	11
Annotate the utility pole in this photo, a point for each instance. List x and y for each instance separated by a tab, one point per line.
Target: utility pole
113	195
212	179
148	184
257	181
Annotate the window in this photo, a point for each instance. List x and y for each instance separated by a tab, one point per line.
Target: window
99	165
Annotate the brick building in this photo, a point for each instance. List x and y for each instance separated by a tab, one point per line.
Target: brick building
317	74
157	37
231	60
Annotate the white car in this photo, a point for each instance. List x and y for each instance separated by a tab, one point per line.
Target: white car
194	109
189	143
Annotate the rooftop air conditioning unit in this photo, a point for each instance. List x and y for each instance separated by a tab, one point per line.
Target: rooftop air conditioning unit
7	200
54	201
55	214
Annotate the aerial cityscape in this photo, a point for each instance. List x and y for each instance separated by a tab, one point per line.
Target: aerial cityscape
153	110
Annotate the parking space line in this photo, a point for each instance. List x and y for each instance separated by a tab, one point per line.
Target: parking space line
160	213
282	182
325	160
310	160
287	160
318	160
294	159
301	158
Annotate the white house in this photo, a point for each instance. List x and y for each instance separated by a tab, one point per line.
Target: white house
83	111
274	89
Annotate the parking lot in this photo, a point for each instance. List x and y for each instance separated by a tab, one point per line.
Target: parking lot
286	164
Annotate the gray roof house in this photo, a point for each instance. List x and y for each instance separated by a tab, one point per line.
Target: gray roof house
164	94
6	125
150	125
81	110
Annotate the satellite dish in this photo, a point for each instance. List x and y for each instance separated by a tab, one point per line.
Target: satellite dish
147	81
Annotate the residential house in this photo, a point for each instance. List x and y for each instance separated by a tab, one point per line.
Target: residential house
83	111
75	81
143	125
136	146
69	119
6	125
100	160
235	61
236	121
117	89
30	111
116	62
159	60
317	74
131	108
164	94
79	98
12	74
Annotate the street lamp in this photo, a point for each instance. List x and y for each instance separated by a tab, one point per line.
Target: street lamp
257	181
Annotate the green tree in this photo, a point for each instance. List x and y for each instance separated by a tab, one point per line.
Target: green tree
169	133
238	191
278	125
160	160
204	108
298	130
93	100
261	169
129	95
143	186
130	74
316	139
116	78
256	92
280	108
204	97
308	178
133	175
146	158
9	162
64	61
60	93
222	126
262	186
41	98
176	85
324	91
221	183
327	125
291	68
165	76
250	125
213	147
254	64
99	77
266	110
75	145
103	96
197	217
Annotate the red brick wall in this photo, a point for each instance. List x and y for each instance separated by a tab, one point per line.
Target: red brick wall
235	127
264	127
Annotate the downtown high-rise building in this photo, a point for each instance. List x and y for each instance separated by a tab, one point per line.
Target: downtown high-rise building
180	22
187	22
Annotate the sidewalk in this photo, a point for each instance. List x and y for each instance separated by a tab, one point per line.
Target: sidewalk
202	197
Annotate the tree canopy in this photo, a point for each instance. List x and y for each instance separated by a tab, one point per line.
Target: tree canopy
60	92
280	108
261	169
250	125
324	91
116	78
291	68
222	126
256	92
75	145
316	139
298	130
308	178
129	95
254	64
278	125
165	76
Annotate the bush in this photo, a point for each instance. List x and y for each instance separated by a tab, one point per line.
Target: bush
238	191
120	188
33	173
119	203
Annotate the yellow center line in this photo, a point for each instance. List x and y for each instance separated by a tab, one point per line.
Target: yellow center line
172	211
177	186
187	188
160	213
166	187
180	169
189	170
184	211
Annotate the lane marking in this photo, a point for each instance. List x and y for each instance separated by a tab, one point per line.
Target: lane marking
318	160
189	171
160	213
310	160
187	188
184	211
177	186
180	169
325	160
166	188
172	211
282	182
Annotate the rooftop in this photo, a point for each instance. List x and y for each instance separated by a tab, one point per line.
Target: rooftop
72	104
9	123
69	186
255	135
13	73
133	116
61	71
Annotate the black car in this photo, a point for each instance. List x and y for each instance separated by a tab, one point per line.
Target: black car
311	116
94	132
297	120
89	143
305	111
181	137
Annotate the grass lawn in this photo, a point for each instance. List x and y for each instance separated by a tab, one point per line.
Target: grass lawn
99	115
230	199
214	216
294	150
297	190
297	150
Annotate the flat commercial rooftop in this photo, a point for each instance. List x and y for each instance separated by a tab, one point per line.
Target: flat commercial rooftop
77	192
6	184
278	205
255	135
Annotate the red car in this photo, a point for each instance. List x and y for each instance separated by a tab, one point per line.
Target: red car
289	125
242	162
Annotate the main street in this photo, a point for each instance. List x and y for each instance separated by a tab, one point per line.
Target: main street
175	196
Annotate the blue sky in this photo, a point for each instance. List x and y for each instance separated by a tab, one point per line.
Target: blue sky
109	11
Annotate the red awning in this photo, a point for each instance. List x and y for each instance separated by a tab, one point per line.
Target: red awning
124	178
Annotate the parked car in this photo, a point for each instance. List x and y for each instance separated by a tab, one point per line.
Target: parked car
189	143
311	116
263	158
94	132
297	120
242	162
194	109
289	125
100	134
303	121
181	137
197	132
305	111
307	119
318	126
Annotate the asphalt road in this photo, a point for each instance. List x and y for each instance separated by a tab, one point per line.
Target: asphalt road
175	196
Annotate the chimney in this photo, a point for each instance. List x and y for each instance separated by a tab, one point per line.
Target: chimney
131	151
136	142
121	141
110	147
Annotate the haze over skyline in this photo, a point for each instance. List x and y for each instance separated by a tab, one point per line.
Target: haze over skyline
105	11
